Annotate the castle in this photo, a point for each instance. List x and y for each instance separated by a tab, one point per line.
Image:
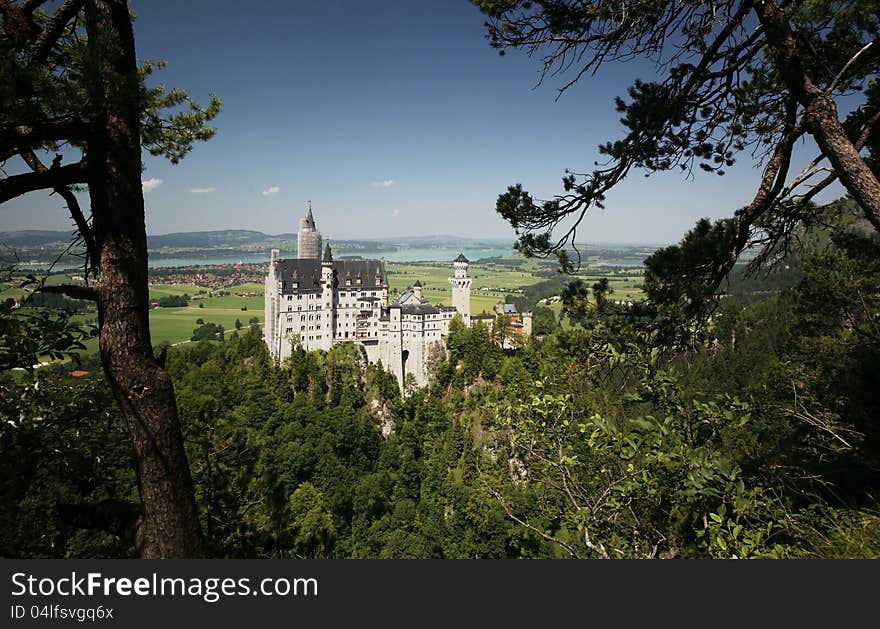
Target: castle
316	302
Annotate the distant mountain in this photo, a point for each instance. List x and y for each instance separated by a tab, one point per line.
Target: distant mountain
206	239
239	237
34	237
444	240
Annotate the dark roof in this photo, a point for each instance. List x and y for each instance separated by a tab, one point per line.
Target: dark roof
328	254
418	283
509	309
307	274
461	258
419	309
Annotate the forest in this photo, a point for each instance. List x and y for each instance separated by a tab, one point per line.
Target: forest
752	435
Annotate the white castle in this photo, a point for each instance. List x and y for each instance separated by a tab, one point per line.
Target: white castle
316	303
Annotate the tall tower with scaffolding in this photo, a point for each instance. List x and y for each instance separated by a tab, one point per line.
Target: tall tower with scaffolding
309	238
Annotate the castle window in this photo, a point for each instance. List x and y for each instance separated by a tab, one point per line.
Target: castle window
348	282
289	297
295	284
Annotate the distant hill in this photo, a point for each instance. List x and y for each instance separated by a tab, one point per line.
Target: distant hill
217	238
34	237
239	237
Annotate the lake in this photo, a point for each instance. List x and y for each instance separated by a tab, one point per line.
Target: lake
402	254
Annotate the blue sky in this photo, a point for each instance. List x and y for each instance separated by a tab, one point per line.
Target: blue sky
394	117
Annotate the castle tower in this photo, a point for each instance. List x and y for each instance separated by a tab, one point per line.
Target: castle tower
461	288
417	290
309	239
271	304
326	318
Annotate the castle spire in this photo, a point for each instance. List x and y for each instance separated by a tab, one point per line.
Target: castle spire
328	254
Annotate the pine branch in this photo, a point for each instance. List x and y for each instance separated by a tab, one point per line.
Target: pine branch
50	179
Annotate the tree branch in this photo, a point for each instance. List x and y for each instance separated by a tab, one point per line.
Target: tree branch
17	185
73	207
820	112
772	183
550	538
29	6
73	291
53	30
846	67
15	138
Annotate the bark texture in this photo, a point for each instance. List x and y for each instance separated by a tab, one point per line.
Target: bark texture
169	524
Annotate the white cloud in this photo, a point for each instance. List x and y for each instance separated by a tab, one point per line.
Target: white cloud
268	192
395	212
150	184
202	190
387	183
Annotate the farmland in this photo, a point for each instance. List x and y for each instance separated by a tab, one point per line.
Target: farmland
493	280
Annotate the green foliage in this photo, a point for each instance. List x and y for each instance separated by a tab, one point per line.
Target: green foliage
29	336
171	120
208	332
311	524
679	277
64	447
543	321
174	301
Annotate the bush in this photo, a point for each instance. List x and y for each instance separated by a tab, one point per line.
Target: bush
174	301
208	331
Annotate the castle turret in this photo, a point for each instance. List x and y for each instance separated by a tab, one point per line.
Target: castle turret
461	288
309	238
417	290
271	305
326	318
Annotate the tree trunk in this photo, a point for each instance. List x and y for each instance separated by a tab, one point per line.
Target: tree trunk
169	524
820	113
